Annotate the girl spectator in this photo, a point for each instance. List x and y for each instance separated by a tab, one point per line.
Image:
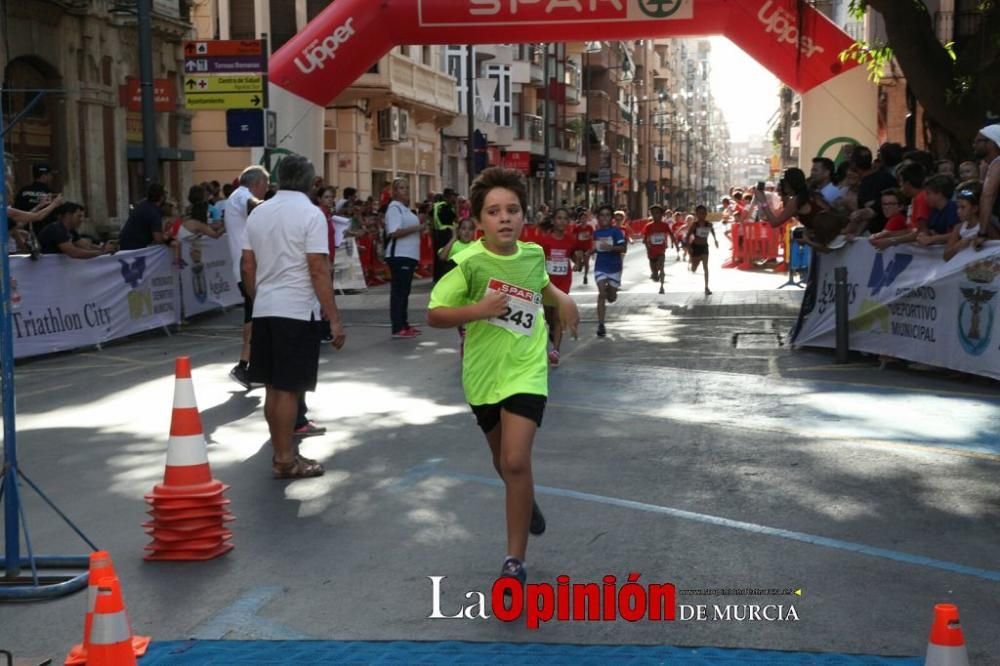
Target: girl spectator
965	234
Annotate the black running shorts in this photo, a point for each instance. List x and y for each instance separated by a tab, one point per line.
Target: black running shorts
528	405
284	353
247	304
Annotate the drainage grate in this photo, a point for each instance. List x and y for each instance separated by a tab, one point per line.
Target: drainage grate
757	340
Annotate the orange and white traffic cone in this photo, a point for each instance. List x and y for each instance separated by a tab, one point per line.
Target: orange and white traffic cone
110	634
100	567
946	645
188	509
188	474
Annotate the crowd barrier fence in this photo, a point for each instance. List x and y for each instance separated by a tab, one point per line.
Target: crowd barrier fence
908	303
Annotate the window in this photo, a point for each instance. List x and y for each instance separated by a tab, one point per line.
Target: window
502	96
241	20
455	59
283	26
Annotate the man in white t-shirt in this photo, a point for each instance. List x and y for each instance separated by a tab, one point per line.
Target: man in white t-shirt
253	185
286	270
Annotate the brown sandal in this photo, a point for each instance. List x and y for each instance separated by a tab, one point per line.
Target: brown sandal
299	468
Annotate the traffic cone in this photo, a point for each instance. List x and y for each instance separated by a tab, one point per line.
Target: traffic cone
100	567
110	634
946	645
188	474
188	509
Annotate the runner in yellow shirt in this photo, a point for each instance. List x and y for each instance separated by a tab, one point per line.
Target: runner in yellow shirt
497	291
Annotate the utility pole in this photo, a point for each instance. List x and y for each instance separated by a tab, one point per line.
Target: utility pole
470	100
150	159
546	122
586	127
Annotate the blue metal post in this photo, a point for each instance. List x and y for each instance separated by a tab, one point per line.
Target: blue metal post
12	540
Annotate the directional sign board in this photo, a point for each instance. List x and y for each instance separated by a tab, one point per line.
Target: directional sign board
224	47
224	83
254	100
225	74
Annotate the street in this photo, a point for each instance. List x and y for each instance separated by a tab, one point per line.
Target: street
691	446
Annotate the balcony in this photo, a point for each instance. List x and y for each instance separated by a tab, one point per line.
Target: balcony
398	77
600	107
572	80
533	128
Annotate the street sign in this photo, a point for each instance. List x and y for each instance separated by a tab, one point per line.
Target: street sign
224	83
226	74
224	47
253	100
224	65
245	127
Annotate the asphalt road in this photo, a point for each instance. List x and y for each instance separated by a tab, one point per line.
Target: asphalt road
689	446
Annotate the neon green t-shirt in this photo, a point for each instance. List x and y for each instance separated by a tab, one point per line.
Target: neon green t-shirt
459	246
505	355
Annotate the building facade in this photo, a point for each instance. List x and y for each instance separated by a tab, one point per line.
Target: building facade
386	125
82	58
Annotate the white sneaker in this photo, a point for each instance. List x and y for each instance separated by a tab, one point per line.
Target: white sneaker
838	242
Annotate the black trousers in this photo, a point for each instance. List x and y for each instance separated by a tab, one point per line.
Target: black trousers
441	266
402	269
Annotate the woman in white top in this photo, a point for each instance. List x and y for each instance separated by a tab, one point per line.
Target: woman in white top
402	254
967	196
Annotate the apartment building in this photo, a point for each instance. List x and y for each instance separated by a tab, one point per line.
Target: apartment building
387	124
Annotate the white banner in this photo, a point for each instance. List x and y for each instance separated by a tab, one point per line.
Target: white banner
347	271
67	303
907	302
207	276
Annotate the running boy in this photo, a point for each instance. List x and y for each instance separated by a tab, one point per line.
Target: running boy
559	247
697	237
610	246
655	236
497	289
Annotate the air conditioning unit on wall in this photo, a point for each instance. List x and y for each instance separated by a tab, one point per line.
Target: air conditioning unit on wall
393	125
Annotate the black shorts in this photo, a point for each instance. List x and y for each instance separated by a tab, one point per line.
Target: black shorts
247	304
284	353
698	250
528	405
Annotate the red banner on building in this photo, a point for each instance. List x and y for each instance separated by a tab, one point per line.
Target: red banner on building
164	95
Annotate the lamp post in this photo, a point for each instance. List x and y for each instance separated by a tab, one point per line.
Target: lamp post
150	163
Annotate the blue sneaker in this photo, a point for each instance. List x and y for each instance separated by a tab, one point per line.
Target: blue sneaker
514	568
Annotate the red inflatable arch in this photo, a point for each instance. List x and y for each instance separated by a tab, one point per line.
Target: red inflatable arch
788	37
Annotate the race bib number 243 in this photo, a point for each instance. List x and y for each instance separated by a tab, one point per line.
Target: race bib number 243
522	307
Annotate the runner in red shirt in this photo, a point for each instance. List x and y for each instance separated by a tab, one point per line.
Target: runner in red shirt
583	231
559	249
656	235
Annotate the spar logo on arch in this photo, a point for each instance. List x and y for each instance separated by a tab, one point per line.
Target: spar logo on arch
659	9
520	12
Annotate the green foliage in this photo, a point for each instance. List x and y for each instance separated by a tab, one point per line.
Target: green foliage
875	57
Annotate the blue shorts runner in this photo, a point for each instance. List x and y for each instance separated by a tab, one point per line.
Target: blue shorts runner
613	279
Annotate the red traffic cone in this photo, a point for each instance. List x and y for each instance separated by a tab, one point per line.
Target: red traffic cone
946	645
188	509
110	635
100	567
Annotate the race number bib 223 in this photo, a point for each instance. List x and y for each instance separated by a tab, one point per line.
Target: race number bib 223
558	263
522	307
